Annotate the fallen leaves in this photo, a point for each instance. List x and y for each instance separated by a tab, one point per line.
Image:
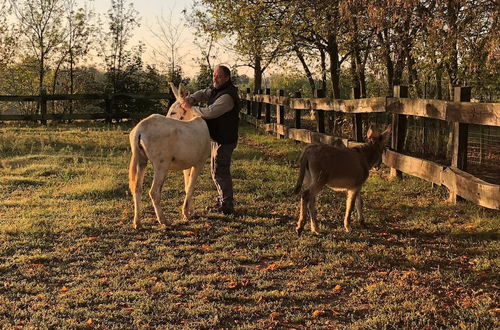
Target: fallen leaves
317	313
206	248
236	284
274	315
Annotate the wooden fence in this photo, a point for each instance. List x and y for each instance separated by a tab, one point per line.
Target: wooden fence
461	112
109	99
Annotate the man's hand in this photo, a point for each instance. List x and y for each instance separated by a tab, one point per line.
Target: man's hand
186	105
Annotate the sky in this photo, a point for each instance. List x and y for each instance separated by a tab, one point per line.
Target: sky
152	11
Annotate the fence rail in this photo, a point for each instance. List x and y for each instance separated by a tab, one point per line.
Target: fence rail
108	98
460	113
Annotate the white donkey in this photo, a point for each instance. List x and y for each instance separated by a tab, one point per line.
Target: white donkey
179	141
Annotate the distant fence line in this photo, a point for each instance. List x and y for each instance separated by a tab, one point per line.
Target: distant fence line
460	113
109	99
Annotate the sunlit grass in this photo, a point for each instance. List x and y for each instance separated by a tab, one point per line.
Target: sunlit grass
69	257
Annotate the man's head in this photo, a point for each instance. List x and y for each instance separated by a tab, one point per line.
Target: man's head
221	75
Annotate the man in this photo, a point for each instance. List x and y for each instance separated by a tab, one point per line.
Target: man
222	117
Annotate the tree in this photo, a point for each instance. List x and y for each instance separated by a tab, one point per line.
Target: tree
248	30
119	60
40	21
8	37
170	35
396	26
204	77
80	33
317	25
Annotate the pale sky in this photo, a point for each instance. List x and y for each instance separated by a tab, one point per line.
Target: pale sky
150	11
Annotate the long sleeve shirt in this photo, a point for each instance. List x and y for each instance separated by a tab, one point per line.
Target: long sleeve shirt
221	105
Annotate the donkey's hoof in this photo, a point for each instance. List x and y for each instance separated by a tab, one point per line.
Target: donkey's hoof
162	226
347	229
298	230
316	232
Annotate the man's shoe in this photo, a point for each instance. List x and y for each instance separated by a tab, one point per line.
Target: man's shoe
226	208
215	207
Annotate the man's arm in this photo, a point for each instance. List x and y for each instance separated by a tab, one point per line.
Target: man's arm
222	105
200	96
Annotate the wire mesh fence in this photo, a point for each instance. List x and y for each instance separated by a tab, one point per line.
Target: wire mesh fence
483	152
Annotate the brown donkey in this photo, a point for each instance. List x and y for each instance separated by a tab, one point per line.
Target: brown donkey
341	169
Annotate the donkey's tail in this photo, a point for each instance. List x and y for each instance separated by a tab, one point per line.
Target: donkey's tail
303	166
138	160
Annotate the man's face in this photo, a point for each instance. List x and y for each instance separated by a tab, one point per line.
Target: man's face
219	78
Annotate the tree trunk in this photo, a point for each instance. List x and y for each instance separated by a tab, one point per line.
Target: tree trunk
257	74
333	52
309	76
388	63
323	69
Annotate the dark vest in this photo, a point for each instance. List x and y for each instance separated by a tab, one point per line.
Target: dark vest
224	129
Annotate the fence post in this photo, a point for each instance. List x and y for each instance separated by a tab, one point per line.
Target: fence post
280	113
320	114
259	107
297	111
460	136
249	103
280	110
268	107
109	106
43	106
398	129
357	124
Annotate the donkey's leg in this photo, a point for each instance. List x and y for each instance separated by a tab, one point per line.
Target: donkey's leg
303	212
359	209
187	173
160	173
136	187
311	206
351	199
187	207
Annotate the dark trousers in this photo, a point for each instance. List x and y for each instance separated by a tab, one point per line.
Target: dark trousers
220	164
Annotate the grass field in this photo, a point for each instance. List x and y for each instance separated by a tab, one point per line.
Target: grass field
69	257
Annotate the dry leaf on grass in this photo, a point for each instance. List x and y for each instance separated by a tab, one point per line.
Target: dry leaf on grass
274	315
318	313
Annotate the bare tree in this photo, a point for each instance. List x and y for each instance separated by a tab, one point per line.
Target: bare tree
171	37
123	19
41	23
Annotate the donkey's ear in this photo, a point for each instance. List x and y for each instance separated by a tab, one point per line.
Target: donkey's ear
370	134
388	130
183	92
174	90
